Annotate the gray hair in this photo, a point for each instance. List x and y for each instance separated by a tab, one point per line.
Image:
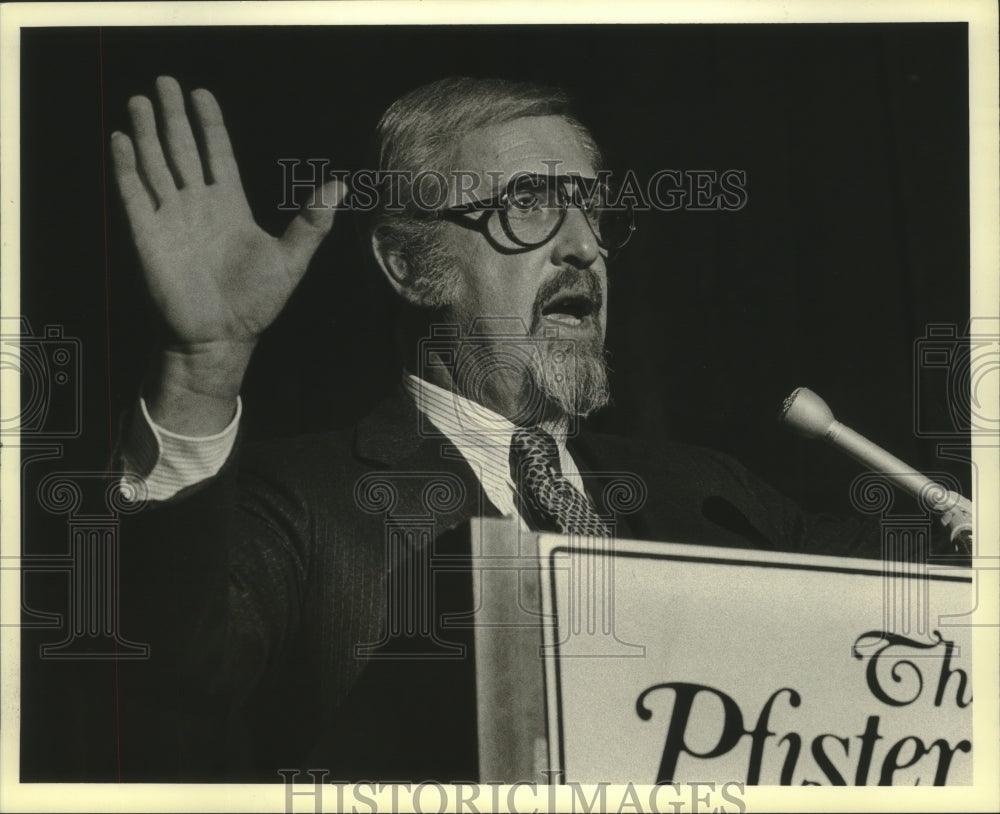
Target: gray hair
421	133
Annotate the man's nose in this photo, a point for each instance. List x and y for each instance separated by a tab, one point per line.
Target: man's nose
575	243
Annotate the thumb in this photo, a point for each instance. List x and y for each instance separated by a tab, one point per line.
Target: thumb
311	225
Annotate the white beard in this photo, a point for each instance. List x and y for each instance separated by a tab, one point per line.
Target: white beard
572	377
553	378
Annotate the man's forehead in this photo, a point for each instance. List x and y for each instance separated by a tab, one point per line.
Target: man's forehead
533	144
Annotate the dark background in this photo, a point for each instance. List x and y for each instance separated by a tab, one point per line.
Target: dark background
854	240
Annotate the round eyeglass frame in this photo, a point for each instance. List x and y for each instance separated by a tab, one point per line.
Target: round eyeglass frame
502	203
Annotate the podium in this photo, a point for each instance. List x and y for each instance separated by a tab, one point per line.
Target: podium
615	661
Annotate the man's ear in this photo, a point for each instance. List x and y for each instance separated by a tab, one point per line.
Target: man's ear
394	266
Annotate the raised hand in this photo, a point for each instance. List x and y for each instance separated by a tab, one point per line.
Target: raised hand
216	277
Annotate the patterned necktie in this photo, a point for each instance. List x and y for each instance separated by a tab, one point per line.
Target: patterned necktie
550	502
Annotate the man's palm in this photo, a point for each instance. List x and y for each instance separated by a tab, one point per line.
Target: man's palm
216	277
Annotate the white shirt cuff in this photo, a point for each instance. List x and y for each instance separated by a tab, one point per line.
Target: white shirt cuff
168	462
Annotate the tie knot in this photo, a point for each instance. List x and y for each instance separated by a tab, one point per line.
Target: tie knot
533	447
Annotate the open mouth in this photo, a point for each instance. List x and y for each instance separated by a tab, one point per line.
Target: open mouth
570	309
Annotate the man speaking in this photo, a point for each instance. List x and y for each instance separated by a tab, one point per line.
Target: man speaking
260	573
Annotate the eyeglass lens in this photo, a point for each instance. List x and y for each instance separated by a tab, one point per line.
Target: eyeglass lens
536	205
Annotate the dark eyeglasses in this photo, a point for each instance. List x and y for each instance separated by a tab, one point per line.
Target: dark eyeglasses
533	207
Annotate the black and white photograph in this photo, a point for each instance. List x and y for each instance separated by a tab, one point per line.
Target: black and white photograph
475	407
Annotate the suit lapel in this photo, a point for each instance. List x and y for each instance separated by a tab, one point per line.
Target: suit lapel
603	472
397	439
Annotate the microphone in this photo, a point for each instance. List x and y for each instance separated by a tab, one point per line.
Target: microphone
807	413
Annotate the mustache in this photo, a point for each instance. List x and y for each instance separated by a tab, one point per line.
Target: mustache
568	279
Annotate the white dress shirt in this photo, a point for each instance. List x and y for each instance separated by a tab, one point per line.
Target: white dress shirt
169	462
483	438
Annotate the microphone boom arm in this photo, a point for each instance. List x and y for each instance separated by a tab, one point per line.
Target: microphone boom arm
807	413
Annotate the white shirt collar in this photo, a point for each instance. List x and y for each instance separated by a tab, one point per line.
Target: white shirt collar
457	416
480	434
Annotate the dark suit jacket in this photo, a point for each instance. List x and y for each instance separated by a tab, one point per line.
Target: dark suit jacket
255	589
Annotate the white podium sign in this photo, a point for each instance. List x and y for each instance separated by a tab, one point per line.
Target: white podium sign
678	663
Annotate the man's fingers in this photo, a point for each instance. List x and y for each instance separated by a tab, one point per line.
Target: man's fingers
219	159
181	148
151	162
306	232
136	198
